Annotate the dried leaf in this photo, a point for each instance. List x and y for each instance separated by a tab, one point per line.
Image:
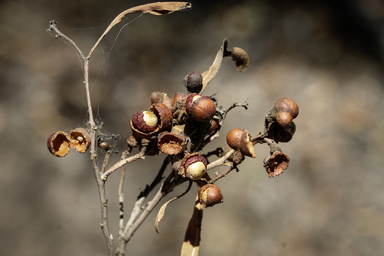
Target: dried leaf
160	214
212	71
192	236
159	8
240	57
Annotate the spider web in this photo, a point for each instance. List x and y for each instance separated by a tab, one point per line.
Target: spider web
101	77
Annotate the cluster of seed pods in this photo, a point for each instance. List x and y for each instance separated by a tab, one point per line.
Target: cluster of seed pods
182	125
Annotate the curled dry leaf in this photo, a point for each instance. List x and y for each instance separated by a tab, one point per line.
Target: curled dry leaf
212	71
160	214
159	8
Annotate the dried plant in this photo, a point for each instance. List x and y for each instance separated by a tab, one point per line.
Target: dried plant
180	127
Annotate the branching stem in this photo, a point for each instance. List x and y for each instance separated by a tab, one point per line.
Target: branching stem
122	162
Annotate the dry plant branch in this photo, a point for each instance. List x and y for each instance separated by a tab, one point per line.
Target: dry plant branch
180	128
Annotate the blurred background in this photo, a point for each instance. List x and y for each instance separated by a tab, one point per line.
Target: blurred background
326	55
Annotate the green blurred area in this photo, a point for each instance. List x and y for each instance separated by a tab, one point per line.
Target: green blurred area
326	55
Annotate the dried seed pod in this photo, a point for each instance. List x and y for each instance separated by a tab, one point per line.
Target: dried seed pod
177	96
283	112
176	166
146	124
193	82
145	121
161	97
193	166
276	163
80	140
171	143
58	144
199	108
287	105
209	195
280	134
164	114
214	125
240	57
240	140
104	145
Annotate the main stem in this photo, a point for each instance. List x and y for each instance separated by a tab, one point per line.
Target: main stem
100	183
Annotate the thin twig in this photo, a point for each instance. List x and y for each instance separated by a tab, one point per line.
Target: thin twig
234	105
107	157
122	162
222	175
104	208
137	209
221	160
121	200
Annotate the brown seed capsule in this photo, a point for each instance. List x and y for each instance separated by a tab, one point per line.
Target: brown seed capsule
161	97
145	121
283	112
276	163
280	134
80	140
240	140
171	143
58	144
193	166
199	108
146	124
240	57
164	115
209	195
177	96
104	145
193	82
287	105
215	125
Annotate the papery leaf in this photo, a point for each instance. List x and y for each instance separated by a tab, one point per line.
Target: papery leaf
160	214
191	242
212	71
159	8
240	57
